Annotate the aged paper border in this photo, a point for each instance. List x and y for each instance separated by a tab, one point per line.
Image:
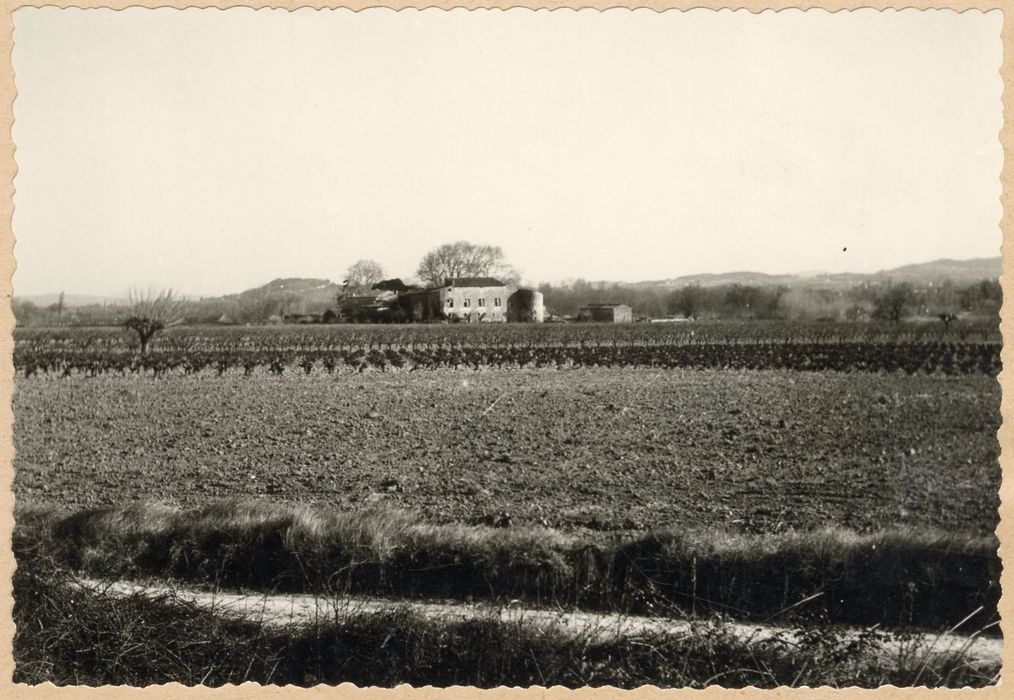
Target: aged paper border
8	169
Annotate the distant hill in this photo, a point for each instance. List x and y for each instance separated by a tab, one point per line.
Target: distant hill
309	290
307	295
957	271
69	300
722	278
278	297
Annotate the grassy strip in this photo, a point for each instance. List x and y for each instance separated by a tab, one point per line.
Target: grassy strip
83	637
895	577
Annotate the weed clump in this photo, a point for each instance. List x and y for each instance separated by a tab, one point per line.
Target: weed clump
898	577
81	636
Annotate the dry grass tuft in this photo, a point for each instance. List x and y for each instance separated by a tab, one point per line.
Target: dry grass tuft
899	577
68	635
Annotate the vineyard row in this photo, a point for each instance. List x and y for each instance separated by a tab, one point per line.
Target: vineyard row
929	357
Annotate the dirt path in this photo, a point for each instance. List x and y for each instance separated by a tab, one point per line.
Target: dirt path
302	609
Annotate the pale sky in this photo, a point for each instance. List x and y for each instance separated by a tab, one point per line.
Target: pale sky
213	151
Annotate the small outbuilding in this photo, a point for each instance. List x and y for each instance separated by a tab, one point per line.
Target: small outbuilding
301	319
607	313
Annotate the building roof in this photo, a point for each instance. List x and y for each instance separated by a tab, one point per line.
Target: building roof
393	285
360	300
602	306
473	282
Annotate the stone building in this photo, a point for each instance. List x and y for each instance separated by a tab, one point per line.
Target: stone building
474	300
526	306
606	313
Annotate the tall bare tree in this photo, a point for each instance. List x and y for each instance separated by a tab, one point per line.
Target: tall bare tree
362	275
152	311
893	302
687	301
464	259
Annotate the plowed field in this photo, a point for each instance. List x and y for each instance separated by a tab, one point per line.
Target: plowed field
603	449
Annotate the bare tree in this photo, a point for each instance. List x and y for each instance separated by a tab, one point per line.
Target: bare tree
893	302
464	259
687	301
362	275
152	311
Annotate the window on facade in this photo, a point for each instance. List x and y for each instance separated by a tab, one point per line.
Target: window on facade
496	301
468	302
450	303
482	303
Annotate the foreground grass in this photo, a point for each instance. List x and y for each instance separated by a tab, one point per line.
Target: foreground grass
898	577
68	635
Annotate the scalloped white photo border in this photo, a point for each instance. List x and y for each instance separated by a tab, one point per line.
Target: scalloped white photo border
8	169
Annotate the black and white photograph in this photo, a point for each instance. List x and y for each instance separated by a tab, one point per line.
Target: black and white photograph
507	347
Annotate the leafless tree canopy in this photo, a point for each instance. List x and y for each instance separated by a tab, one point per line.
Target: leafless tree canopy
362	275
893	303
464	259
151	311
158	305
